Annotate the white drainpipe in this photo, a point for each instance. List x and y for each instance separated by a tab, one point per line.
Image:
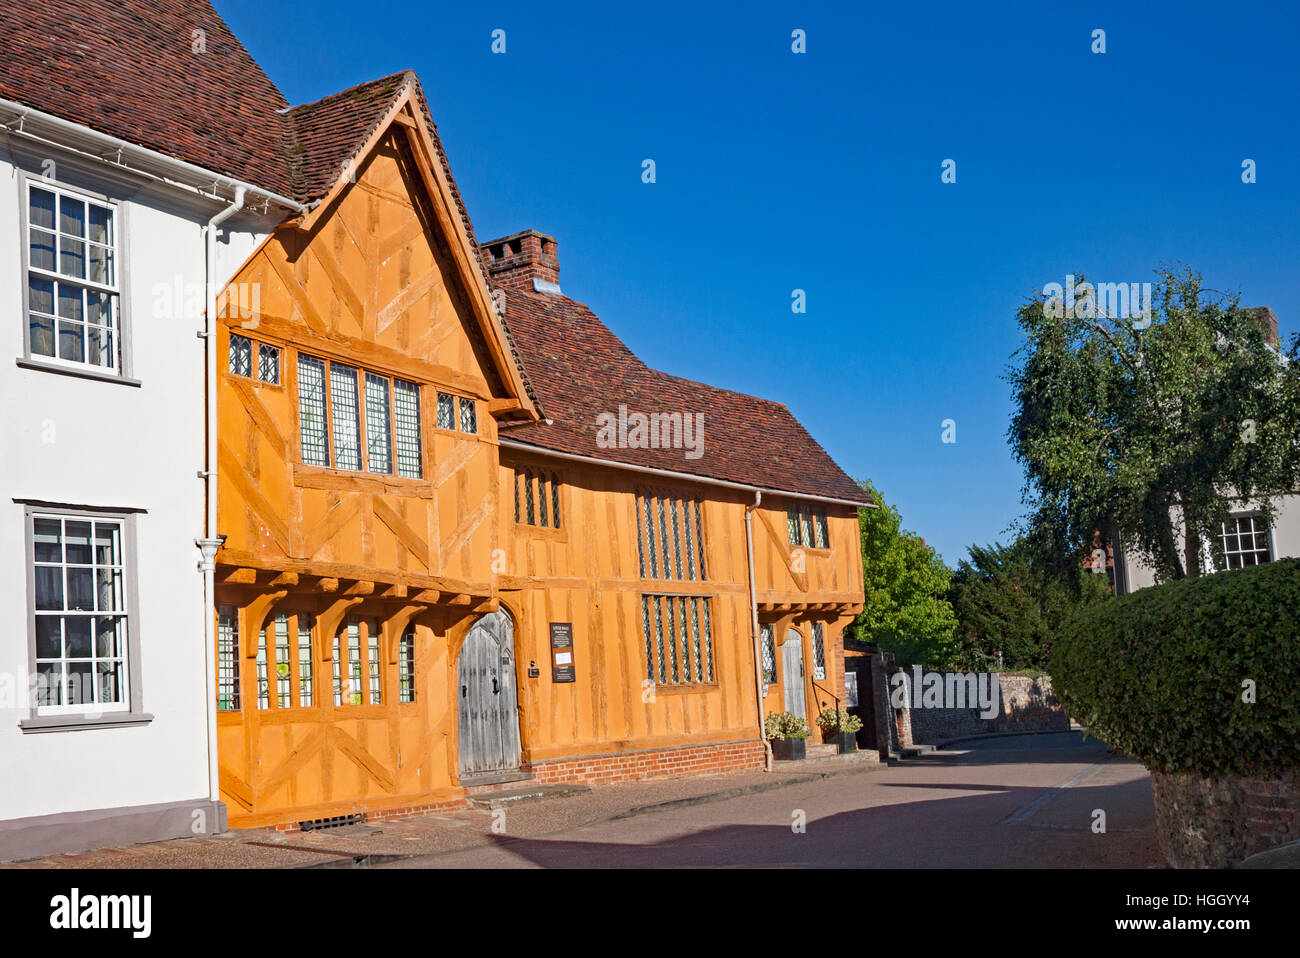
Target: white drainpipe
758	643
209	545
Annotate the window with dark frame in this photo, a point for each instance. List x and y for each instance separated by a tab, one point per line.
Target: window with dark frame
807	526
336	403
678	639
819	650
537	498
406	666
767	640
670	536
227	658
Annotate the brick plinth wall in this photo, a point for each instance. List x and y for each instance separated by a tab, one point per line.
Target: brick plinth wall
654	763
1218	822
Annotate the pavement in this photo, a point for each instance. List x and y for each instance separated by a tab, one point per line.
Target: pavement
1024	801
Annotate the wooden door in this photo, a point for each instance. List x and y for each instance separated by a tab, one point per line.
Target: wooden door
792	674
489	720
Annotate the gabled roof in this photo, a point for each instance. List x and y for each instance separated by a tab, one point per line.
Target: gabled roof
579	369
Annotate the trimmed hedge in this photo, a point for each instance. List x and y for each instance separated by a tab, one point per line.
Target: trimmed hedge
1158	674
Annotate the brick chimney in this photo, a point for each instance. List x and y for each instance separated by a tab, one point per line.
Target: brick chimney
1267	320
524	261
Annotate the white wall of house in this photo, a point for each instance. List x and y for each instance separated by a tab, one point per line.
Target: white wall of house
1284	539
80	441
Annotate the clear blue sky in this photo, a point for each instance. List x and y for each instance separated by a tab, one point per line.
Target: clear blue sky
821	171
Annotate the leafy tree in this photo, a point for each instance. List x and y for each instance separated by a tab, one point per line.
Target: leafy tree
1146	426
906	611
1009	608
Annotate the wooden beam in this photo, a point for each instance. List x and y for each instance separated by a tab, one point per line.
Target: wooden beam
240	577
360	588
328	585
427	595
397	590
285	578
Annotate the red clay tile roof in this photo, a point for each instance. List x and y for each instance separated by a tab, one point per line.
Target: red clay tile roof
128	68
580	369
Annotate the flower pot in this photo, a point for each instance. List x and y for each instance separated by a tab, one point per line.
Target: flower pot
846	741
788	749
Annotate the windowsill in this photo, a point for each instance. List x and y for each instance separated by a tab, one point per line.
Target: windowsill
686	688
73	723
88	372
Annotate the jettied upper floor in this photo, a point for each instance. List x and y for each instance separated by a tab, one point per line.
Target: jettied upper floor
363	369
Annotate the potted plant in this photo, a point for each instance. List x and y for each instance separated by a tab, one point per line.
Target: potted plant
786	731
840	728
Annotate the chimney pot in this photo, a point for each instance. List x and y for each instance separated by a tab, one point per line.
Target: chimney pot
522	261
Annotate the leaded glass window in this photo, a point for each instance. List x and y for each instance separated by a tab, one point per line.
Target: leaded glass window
468	415
767	642
374	663
678	641
305	622
241	356
311	411
227	658
268	364
669	537
819	650
406	409
344	408
283	668
406	666
446	411
379	440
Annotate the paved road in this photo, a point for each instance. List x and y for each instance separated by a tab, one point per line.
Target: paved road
1016	802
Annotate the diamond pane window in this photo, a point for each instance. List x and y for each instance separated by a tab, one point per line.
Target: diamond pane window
819	650
283	674
670	544
767	641
678	648
373	662
446	411
241	356
268	364
468	416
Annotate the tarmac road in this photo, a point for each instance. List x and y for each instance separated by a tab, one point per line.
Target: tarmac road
1030	801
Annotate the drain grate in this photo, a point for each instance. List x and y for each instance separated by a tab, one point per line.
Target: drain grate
338	821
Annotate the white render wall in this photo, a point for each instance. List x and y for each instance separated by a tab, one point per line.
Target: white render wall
1285	537
113	445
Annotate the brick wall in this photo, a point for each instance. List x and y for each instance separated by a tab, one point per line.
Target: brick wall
1024	704
653	763
1218	822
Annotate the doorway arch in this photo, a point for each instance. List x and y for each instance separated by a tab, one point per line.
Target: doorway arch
485	686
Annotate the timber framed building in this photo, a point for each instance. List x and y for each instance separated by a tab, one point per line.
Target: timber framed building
452	554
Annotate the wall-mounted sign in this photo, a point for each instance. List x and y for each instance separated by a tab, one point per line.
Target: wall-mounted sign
562	652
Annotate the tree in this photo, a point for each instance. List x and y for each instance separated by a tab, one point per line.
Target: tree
1146	426
906	611
1009	609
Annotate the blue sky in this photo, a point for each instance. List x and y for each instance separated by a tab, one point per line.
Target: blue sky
821	171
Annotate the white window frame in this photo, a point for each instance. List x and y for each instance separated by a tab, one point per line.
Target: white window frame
47	718
1256	520
116	291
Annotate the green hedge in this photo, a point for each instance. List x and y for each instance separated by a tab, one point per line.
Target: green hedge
1158	674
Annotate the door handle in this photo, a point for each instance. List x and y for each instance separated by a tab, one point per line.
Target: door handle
464	691
495	688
